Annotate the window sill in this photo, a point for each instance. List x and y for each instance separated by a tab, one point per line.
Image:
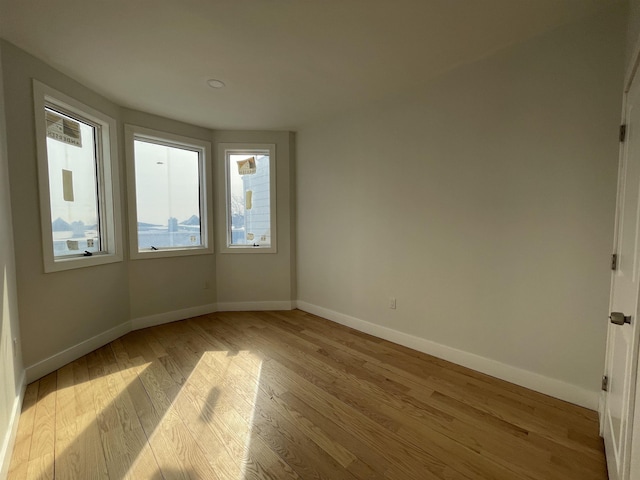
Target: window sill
170	252
248	249
72	263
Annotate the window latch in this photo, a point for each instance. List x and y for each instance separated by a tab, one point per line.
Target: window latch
87	253
153	248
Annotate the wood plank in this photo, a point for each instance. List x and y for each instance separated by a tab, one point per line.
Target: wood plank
69	451
222	417
22	448
416	420
41	454
288	395
87	443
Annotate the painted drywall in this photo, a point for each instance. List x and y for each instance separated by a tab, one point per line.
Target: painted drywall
62	309
293	242
162	285
484	202
257	277
11	370
633	36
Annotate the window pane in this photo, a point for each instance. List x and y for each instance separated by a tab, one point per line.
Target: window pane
249	189
73	185
167	196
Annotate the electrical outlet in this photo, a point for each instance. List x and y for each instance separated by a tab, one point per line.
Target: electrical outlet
392	303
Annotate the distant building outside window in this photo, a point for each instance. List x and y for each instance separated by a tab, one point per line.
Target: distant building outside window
77	163
250	193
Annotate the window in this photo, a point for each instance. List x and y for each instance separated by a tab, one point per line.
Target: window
250	197
170	194
77	170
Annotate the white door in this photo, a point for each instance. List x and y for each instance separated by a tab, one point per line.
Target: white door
622	339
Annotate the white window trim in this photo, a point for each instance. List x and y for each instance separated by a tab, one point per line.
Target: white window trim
132	132
248	148
108	178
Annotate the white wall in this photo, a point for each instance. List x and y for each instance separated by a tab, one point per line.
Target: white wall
484	202
11	371
633	35
62	309
264	279
161	285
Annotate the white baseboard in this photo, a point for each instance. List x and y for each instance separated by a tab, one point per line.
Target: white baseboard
6	448
173	316
534	381
54	362
254	306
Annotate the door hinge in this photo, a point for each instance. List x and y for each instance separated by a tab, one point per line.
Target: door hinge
614	261
605	383
623	132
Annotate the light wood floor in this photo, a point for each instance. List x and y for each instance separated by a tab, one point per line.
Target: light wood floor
284	395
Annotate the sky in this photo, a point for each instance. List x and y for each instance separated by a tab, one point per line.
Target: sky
167	183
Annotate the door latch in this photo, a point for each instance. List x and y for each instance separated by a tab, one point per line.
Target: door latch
619	318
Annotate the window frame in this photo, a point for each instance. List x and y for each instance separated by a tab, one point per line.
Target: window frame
108	196
133	132
225	149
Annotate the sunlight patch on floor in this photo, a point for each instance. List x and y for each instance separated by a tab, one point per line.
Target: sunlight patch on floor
211	410
247	444
86	413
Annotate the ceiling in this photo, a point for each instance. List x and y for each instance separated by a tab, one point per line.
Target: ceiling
285	62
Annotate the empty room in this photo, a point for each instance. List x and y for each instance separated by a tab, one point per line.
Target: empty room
304	239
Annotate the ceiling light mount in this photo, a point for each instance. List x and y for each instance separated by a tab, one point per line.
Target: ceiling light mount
213	83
